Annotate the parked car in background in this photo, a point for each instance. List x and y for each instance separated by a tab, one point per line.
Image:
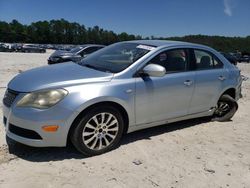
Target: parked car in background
122	88
75	54
237	55
5	47
232	59
32	48
245	58
17	47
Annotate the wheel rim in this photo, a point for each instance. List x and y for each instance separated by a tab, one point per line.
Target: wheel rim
222	109
100	131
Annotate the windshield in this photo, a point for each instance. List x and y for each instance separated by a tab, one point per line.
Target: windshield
117	57
75	50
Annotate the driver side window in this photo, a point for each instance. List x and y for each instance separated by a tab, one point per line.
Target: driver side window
171	60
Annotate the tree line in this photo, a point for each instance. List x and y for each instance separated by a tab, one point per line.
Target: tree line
220	43
58	32
65	32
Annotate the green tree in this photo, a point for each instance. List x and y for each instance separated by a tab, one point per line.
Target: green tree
65	32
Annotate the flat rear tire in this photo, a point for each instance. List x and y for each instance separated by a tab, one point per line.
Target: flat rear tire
225	108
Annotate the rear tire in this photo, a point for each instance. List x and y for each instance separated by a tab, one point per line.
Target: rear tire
100	130
225	109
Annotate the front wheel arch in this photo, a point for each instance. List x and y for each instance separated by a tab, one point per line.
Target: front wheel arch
114	104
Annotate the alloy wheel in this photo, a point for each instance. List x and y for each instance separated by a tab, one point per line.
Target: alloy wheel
100	131
221	109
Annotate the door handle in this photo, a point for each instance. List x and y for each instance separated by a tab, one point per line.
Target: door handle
188	82
221	78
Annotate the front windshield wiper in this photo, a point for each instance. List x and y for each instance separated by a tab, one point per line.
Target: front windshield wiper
96	68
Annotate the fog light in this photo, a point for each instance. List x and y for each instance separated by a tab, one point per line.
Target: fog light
50	128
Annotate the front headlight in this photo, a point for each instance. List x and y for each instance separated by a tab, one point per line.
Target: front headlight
42	99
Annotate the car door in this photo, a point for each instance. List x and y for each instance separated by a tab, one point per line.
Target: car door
161	98
209	81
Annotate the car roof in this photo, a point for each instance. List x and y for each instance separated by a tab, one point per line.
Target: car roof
164	43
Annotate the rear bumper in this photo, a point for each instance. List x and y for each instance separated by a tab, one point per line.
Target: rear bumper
238	93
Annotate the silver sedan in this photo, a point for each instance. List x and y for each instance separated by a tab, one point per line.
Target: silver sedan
119	89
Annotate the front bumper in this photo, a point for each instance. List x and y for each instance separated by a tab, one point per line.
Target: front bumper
50	62
24	125
56	61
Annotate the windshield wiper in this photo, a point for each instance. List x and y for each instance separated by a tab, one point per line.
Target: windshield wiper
96	68
89	66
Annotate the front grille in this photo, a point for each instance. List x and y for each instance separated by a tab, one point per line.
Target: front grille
9	97
26	133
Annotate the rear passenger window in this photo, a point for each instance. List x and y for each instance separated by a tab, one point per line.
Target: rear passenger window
172	60
205	60
217	63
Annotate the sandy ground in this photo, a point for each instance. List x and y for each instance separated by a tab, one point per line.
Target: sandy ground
194	153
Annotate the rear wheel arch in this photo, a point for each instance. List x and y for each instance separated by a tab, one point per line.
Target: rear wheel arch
118	106
225	108
231	92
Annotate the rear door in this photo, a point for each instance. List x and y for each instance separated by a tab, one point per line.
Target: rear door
210	77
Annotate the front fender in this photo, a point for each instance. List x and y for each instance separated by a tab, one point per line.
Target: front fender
82	96
99	100
105	99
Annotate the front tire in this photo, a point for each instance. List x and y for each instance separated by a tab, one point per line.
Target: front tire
225	109
100	130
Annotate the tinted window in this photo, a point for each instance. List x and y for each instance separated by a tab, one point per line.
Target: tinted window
205	60
172	60
89	50
75	50
217	63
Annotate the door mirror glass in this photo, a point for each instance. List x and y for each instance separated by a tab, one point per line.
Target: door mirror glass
154	70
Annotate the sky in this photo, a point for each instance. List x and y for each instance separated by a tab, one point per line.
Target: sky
160	18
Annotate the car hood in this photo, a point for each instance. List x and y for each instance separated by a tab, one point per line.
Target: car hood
57	76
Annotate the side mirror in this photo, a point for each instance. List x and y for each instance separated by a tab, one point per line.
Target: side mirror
154	70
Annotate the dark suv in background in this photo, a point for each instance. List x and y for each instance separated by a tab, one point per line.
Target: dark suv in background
75	54
33	48
232	59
